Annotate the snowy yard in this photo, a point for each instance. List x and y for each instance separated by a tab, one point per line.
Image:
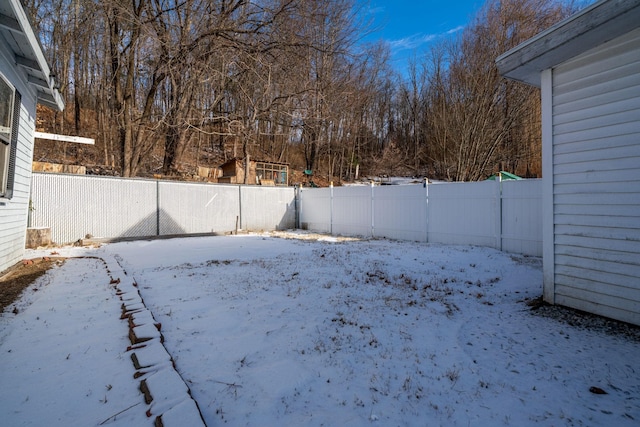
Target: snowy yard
312	330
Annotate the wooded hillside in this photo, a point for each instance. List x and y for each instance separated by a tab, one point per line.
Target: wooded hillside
165	86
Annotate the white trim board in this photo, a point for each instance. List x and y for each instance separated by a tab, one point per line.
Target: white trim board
65	138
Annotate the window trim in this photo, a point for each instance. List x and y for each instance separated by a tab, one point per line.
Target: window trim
8	164
7	139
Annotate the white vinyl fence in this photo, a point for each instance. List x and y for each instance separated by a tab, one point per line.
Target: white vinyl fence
75	205
505	215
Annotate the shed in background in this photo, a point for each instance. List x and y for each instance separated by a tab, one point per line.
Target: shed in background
261	172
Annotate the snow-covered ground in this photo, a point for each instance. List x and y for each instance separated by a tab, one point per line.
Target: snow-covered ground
310	330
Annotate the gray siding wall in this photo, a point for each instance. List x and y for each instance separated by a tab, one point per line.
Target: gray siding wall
13	212
596	180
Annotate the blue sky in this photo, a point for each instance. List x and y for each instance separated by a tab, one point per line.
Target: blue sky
411	26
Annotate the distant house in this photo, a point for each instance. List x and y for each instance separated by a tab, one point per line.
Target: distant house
588	69
25	80
260	172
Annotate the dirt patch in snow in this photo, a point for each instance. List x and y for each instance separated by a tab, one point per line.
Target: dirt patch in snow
19	277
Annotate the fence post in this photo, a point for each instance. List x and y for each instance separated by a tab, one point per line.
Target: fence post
373	229
499	211
240	207
157	207
426	217
331	208
297	189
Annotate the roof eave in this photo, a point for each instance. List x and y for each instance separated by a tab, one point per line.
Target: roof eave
48	93
51	100
585	30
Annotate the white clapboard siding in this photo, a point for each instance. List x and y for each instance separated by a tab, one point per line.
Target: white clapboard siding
596	180
13	212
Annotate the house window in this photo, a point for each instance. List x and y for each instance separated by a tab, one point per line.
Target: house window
9	115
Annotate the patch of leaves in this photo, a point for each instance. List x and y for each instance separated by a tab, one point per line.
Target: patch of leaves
583	320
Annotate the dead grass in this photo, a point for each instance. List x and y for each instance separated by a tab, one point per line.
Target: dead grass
15	280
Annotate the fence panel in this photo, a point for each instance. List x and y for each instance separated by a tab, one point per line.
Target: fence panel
463	213
352	211
197	208
74	206
268	208
505	215
400	212
521	216
315	209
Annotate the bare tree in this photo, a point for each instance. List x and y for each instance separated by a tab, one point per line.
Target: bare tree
479	121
